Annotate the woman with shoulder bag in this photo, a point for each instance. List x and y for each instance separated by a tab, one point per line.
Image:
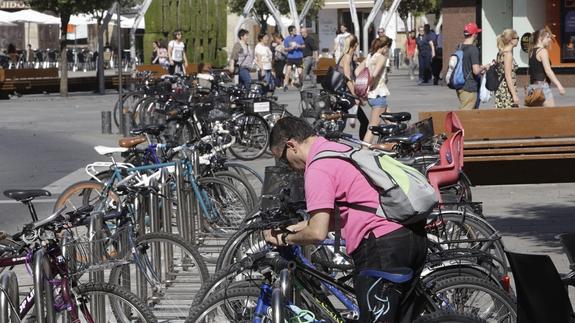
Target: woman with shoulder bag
376	62
347	63
540	72
506	94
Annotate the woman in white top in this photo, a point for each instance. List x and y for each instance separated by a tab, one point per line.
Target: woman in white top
177	54
263	59
377	96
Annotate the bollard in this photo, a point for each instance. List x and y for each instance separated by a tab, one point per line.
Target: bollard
106	122
127	124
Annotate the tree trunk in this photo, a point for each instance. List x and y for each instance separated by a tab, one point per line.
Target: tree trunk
64	55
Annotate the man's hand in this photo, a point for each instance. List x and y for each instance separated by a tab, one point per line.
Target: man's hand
273	237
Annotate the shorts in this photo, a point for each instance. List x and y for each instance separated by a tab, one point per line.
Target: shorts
380	102
545	87
298	62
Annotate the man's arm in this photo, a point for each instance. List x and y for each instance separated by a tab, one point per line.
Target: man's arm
170	47
316	231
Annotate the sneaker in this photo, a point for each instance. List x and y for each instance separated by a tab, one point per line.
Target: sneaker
285	88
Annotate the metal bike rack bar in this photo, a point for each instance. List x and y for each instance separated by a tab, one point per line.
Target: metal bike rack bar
97	304
195	216
153	212
9	299
182	205
141	283
43	291
166	210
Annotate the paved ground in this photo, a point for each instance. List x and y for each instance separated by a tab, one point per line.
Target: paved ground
46	140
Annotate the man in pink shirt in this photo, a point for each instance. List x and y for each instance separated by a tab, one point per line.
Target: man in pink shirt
371	240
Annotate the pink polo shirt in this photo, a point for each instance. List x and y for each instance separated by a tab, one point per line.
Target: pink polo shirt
332	179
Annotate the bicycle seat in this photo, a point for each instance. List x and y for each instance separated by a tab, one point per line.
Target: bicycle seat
385	147
399	139
394	275
103	150
396	116
387	129
25	195
130	142
152	129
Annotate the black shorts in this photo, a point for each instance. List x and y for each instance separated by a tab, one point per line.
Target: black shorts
298	62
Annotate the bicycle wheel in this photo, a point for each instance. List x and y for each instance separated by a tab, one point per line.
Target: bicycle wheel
252	137
240	244
243	185
129	100
255	179
225	204
448	317
179	131
118	303
474	296
227	305
164	275
82	194
277	112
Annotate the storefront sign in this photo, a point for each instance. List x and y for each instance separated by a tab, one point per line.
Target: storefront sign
8	4
525	39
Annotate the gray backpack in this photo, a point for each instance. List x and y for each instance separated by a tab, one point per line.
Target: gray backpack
405	196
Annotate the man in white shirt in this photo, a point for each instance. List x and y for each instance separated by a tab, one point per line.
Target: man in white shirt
177	54
263	60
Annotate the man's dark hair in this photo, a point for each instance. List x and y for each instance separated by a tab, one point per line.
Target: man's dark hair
261	36
291	28
290	128
242	32
426	28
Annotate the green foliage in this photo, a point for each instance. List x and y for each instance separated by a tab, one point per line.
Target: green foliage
418	7
203	24
261	11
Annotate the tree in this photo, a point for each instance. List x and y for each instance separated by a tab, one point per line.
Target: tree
417	8
262	13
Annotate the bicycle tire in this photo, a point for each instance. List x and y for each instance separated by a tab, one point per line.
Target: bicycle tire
139	109
128	101
179	131
451	292
253	133
448	317
242	184
187	275
82	193
238	246
114	292
225	298
276	112
231	207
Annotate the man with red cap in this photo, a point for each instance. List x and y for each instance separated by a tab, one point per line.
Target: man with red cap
472	69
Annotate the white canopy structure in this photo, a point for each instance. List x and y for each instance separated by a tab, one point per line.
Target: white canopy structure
6	18
33	16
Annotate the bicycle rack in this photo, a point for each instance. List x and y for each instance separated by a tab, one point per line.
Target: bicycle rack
97	305
182	209
43	290
195	210
9	299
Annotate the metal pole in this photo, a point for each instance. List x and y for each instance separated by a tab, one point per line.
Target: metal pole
247	8
182	228
304	11
390	13
120	51
277	16
294	15
439	24
141	282
374	11
353	13
97	304
139	18
43	292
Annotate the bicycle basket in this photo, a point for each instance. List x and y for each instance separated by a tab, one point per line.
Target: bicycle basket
100	253
278	178
313	102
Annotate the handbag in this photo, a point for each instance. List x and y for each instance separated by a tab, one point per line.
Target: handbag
363	81
535	97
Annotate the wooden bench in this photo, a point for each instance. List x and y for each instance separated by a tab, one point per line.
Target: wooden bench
155	69
520	144
323	65
24	78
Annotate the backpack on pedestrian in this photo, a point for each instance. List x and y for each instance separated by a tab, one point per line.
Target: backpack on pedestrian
405	195
492	77
455	76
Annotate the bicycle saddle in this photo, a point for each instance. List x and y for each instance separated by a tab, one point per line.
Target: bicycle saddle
25	195
394	275
387	129
152	129
401	139
396	116
129	142
103	150
385	147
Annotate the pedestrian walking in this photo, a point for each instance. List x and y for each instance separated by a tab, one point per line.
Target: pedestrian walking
437	60
348	65
376	62
410	48
506	94
30	56
263	60
339	42
177	54
472	69
426	52
309	56
280	57
242	59
294	45
540	72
